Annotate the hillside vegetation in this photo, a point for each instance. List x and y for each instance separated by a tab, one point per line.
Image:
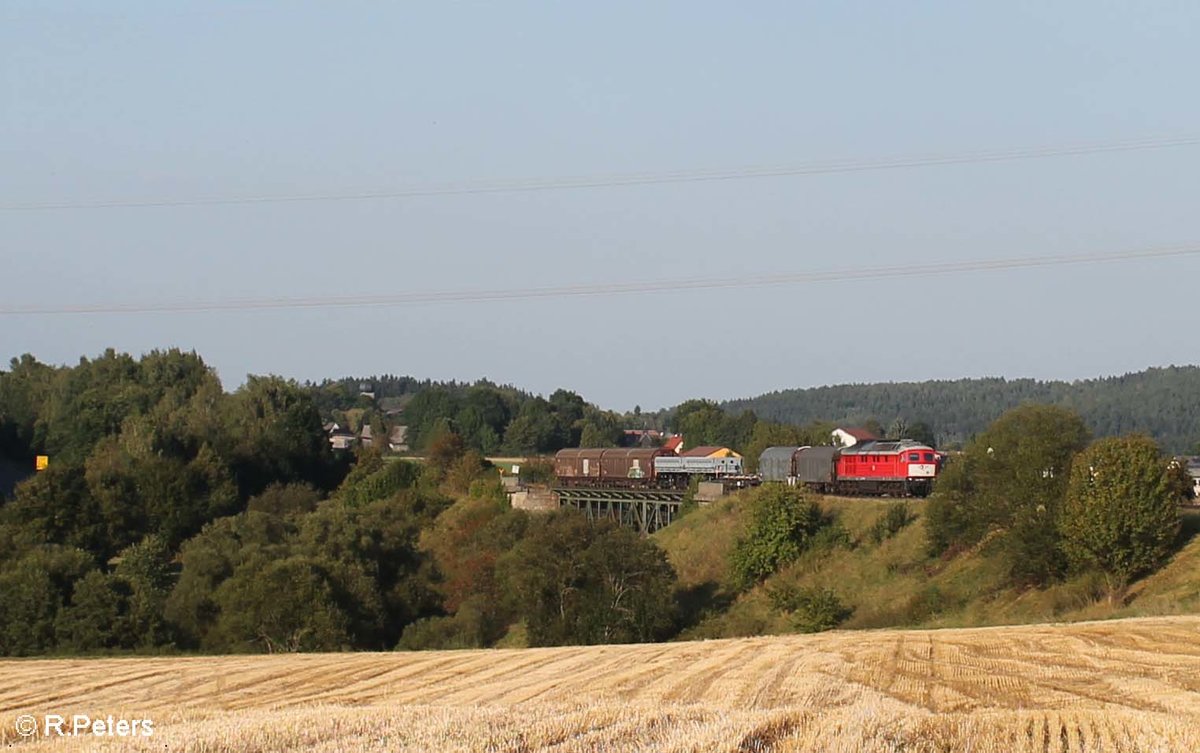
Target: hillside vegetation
177	517
1161	402
1111	686
895	582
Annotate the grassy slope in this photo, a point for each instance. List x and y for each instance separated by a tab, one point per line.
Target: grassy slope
894	584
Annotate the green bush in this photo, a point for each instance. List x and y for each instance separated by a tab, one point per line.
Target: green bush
782	523
473	625
891	522
926	604
812	610
832	535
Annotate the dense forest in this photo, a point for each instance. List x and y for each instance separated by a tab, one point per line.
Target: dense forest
174	516
1161	402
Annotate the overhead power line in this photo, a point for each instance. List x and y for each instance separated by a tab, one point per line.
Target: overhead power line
635	179
599	289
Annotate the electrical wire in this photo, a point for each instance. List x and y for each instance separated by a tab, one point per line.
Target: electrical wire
414	298
633	179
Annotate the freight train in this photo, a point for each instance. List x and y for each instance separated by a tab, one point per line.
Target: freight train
896	468
639	468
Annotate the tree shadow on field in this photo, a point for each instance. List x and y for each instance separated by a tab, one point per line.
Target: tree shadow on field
694	603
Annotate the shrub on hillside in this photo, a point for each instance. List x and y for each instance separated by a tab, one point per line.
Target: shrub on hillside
469	627
783	522
811	609
832	535
927	604
891	522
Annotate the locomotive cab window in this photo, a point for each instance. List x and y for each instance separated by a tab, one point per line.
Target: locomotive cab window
929	457
914	457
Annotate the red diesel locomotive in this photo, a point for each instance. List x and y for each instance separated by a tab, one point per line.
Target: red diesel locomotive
896	468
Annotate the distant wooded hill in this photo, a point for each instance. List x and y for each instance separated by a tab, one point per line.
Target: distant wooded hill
1161	402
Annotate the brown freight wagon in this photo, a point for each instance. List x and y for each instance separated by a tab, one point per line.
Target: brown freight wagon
608	467
634	464
577	465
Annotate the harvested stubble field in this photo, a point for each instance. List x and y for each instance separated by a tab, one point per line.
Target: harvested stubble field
1131	685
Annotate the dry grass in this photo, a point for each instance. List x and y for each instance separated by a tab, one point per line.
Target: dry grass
897	585
1129	685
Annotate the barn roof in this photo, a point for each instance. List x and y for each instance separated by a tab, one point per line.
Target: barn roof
859	433
709	451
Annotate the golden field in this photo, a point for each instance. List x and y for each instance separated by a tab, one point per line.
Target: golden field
1128	685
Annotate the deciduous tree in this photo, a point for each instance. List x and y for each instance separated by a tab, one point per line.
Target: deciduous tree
1010	482
577	581
1121	514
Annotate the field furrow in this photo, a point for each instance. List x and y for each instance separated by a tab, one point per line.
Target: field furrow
1112	686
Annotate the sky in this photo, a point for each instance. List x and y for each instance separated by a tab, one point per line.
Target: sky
144	103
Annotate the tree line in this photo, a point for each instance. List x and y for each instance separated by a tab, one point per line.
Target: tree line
497	420
490	418
1159	402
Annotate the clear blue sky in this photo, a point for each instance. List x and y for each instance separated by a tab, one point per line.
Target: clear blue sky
112	101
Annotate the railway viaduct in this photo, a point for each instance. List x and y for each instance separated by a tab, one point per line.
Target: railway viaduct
643	510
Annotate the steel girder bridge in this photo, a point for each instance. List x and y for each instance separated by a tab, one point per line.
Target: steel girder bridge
644	510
